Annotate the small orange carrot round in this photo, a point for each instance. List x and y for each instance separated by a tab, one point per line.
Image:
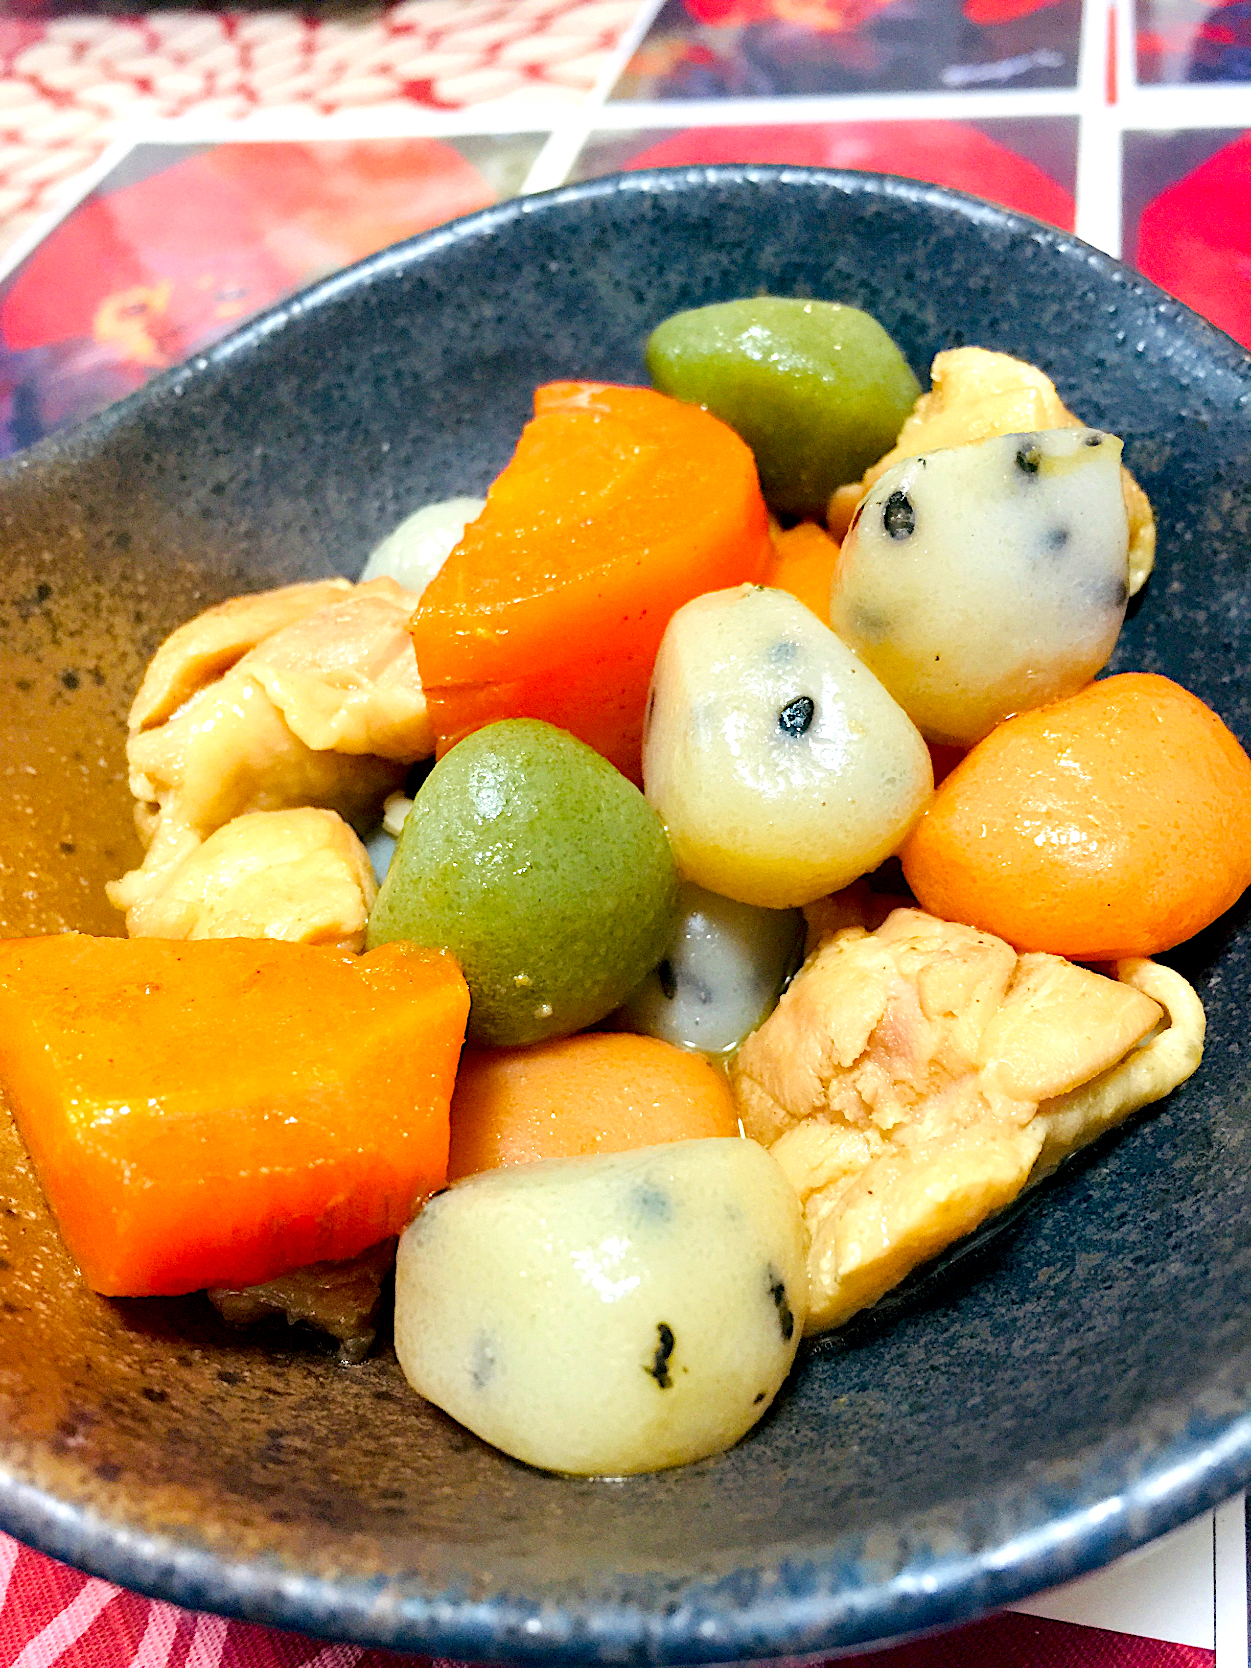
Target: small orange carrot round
601	1092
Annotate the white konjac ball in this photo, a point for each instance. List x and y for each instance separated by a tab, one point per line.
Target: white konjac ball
780	766
721	975
381	848
606	1315
987	579
420	545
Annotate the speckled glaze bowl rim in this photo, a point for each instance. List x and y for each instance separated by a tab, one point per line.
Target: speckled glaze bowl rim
1175	1461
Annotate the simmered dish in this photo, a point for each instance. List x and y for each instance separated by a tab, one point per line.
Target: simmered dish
656	907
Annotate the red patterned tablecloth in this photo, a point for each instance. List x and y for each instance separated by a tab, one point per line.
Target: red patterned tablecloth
54	1617
71	84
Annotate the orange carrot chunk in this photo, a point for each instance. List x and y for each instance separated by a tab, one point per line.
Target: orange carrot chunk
619	505
802	563
218	1112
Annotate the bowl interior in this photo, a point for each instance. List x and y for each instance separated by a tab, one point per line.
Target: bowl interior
1073	1384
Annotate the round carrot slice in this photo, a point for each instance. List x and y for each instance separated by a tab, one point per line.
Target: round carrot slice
601	1092
1114	823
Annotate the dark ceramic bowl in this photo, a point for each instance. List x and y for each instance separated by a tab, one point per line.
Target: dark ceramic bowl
1074	1385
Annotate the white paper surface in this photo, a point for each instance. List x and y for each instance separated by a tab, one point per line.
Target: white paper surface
1189	1587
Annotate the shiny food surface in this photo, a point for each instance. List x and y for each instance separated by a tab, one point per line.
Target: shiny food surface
218	1112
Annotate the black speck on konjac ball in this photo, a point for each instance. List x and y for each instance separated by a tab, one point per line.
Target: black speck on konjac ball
659	1368
781	1302
1029	458
899	517
796	716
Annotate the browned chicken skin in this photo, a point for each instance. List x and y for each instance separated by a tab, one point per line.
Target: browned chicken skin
339	1298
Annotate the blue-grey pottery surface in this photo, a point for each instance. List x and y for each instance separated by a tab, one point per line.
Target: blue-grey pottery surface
1079	1382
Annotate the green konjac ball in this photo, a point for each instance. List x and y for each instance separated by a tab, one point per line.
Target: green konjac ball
544	872
817	390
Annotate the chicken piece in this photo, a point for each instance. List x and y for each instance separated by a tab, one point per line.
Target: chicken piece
1146	1074
299	875
345	677
1060	1025
857	905
916	1197
228	751
912	1081
204	649
304	696
977	394
339	1298
873	1026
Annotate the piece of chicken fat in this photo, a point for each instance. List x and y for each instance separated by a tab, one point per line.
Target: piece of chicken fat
914	1080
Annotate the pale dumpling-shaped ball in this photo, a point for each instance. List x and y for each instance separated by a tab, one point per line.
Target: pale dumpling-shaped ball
606	1315
986	579
722	972
415	551
780	766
